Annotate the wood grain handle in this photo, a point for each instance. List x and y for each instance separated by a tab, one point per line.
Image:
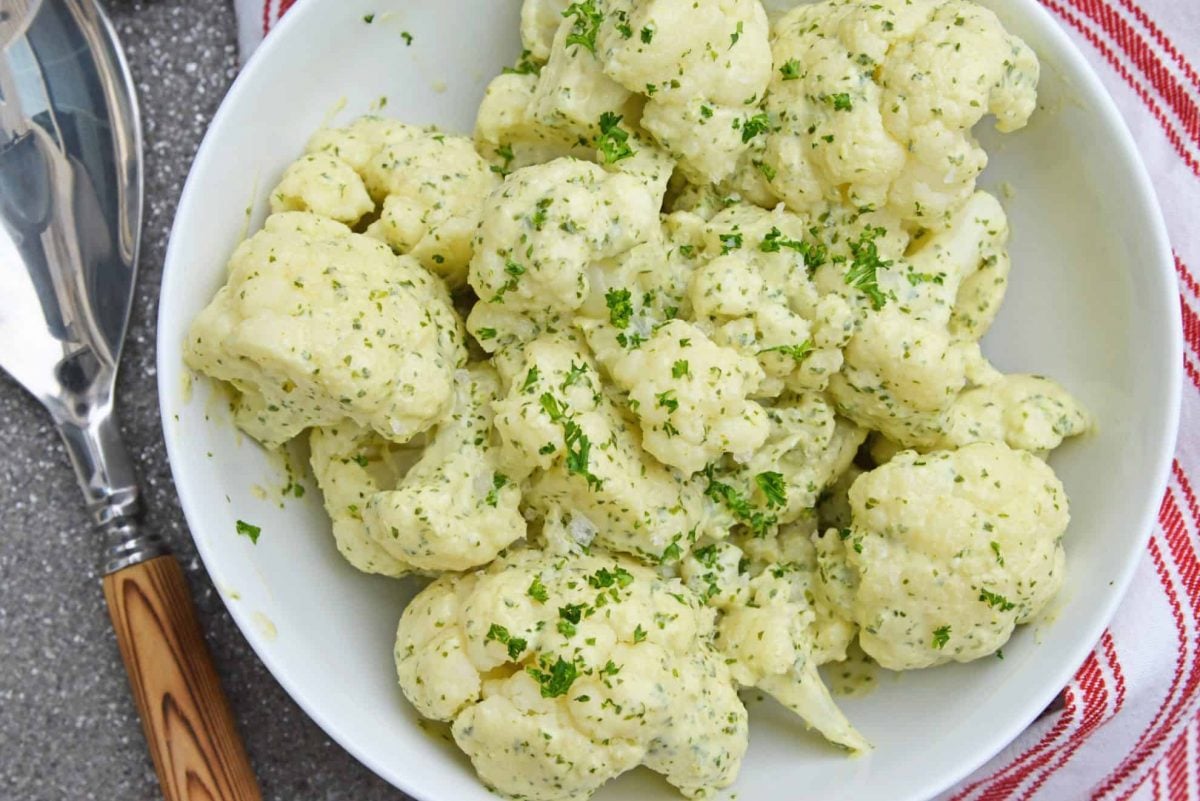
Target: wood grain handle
197	752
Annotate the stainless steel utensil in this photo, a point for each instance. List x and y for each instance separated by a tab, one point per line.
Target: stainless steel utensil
70	219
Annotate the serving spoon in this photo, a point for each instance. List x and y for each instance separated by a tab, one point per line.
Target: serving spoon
70	223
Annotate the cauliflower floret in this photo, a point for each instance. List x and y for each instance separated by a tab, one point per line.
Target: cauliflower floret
807	448
323	184
542	229
872	103
951	550
905	367
430	186
318	324
351	464
756	293
690	396
559	675
1027	412
507	133
540	20
704	68
572	91
457	507
592	479
768	644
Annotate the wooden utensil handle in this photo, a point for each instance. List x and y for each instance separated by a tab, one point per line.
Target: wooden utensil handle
197	752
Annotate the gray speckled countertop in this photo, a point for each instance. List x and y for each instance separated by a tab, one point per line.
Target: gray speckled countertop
68	730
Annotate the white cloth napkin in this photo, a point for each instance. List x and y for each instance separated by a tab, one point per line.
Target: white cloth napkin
1127	727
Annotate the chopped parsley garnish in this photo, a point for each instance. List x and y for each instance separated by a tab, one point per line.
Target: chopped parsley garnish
531	379
639	633
552	407
737	34
706	112
578	448
486	333
514	271
587	24
790	70
555	679
647	35
623	27
814	255
613	141
766	169
730	241
941	636
571	613
574	375
620	307
666	400
516	645
773	488
505	152
368	18
736	502
996	601
630	341
996	550
753	126
247	530
672	553
537	590
706	555
525	65
407	37
499	481
915	278
865	266
798	352
606	578
539	217
840	101
679	369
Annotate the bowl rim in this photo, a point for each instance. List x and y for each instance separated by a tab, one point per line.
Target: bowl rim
1158	248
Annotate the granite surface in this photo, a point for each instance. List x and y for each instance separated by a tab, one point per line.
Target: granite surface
68	730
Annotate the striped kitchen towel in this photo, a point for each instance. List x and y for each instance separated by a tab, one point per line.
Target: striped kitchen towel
1127	725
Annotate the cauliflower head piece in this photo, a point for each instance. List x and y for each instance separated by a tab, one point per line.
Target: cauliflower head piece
542	229
872	103
754	291
912	354
690	395
1027	412
773	629
591	482
768	642
449	505
950	550
428	188
317	325
456	508
703	68
560	674
351	464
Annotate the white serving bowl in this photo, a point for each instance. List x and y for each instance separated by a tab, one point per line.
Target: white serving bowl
1092	303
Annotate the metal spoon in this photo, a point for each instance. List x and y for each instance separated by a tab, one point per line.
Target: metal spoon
70	220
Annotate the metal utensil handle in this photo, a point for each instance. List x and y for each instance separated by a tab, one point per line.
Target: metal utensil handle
190	730
109	486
